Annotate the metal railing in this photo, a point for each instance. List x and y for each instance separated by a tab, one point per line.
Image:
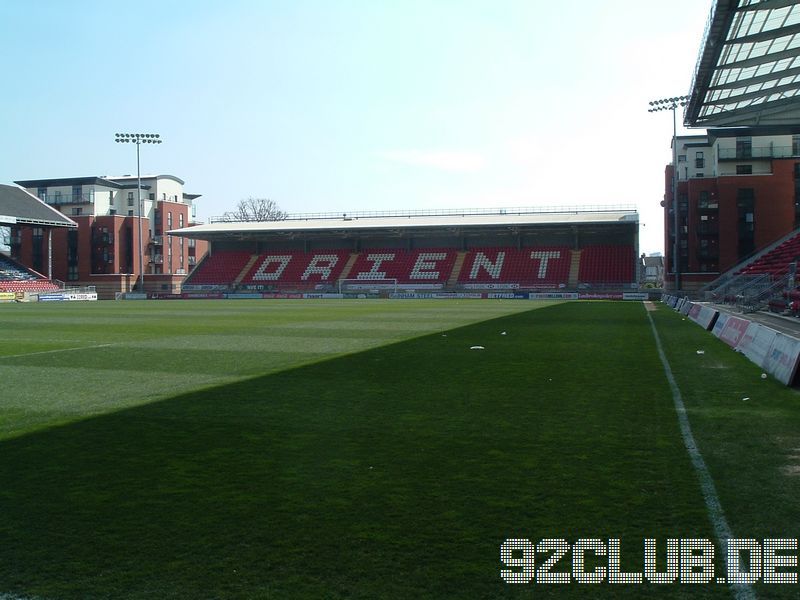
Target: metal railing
756	152
758	297
67	198
527	210
727	292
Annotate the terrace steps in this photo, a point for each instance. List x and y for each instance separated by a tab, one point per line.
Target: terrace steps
574	269
246	269
457	266
348	266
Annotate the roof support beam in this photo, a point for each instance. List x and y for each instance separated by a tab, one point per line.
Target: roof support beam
769	34
750	95
742	83
760	60
767	5
777	112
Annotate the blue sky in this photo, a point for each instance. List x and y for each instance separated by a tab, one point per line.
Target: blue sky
345	105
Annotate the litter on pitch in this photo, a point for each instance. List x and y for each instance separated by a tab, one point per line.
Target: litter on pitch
477	348
502	333
701	351
763	376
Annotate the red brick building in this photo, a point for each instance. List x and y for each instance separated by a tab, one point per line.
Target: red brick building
113	245
738	192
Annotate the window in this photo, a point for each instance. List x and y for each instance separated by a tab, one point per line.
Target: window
151	196
112	211
111	198
681	158
706	201
130	213
169	220
700	175
180	222
77	193
77	211
130	198
746	202
744	169
42	193
699	161
744	147
72	248
796	145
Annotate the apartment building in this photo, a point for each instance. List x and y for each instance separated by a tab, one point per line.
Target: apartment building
116	241
738	191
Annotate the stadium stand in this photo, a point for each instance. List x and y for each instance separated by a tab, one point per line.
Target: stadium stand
220	268
538	267
528	267
607	264
775	262
463	251
16	278
296	269
427	267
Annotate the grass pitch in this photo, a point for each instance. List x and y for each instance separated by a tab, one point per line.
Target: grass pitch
362	450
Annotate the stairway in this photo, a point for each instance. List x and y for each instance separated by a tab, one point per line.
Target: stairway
574	269
348	266
457	266
246	269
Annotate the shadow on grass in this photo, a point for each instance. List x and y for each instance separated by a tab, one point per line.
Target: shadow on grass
396	472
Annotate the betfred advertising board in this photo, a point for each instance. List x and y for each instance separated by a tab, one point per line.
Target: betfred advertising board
783	358
734	330
756	342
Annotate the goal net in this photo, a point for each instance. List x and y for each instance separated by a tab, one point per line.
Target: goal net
364	286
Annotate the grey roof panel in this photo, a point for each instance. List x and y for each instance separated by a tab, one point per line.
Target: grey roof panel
27	209
748	70
373	224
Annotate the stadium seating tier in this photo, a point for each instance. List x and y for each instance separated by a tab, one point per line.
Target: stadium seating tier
545	267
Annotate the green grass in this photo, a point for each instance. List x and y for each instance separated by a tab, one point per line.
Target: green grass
362	450
752	447
70	361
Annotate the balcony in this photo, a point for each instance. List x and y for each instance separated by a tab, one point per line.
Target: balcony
158	240
755	152
103	239
59	199
706	254
157	259
708	229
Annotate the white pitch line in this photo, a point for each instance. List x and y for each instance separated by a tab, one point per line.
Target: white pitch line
721	528
52	352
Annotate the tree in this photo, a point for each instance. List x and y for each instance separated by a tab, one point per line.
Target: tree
255	209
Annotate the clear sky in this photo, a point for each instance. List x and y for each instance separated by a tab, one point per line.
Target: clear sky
347	105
